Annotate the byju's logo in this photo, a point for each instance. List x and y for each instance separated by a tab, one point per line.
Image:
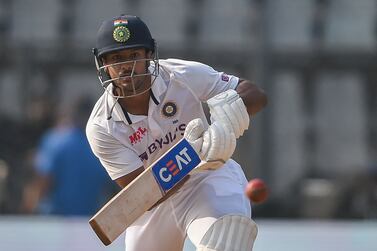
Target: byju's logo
175	165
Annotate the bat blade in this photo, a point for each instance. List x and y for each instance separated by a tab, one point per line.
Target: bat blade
146	190
125	207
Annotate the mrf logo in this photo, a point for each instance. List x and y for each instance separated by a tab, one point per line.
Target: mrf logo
175	165
137	135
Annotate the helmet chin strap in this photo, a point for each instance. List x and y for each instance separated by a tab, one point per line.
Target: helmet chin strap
111	110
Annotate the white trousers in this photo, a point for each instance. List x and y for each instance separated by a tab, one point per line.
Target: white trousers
190	212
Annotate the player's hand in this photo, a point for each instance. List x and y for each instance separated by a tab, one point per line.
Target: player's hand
228	108
214	144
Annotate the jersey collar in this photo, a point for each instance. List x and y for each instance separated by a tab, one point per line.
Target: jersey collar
119	114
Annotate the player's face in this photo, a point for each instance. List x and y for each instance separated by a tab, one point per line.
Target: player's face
129	70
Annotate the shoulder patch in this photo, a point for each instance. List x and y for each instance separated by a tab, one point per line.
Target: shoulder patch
224	77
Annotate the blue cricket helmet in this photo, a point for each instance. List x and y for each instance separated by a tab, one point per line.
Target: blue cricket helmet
123	32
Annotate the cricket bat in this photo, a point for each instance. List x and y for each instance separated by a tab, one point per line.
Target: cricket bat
146	190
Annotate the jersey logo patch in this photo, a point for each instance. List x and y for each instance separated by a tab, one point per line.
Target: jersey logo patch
169	109
159	143
224	77
121	34
137	136
143	156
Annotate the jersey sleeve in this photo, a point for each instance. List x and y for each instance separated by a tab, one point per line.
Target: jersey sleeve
117	159
203	80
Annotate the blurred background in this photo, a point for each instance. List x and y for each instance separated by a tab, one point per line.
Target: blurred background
315	144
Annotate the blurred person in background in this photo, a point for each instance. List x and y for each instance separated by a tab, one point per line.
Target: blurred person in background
68	178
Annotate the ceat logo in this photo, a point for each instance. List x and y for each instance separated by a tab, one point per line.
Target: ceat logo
175	165
173	168
138	135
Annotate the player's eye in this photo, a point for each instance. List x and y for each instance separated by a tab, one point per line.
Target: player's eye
134	55
116	58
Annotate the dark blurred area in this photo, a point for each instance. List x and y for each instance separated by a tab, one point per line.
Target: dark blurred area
315	144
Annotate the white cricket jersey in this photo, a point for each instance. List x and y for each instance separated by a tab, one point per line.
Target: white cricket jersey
126	142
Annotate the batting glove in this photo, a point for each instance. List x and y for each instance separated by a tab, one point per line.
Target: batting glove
228	108
214	144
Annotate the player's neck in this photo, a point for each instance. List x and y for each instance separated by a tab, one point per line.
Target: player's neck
137	105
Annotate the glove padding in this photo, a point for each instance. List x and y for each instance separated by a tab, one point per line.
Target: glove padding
228	108
214	144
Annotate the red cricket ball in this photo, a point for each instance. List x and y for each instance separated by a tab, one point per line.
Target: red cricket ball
256	190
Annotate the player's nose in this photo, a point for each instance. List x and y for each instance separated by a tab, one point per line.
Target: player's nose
125	69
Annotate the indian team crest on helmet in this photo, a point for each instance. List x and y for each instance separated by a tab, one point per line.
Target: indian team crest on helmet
169	109
121	34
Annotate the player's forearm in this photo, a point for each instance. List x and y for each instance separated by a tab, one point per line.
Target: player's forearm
253	97
125	180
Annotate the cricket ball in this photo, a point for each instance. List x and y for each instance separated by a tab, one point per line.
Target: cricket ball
256	190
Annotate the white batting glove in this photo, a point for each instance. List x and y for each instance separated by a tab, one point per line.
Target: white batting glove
216	143
228	108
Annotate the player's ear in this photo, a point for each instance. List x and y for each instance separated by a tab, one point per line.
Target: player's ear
148	54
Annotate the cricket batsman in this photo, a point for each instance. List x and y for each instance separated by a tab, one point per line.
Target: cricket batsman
148	105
